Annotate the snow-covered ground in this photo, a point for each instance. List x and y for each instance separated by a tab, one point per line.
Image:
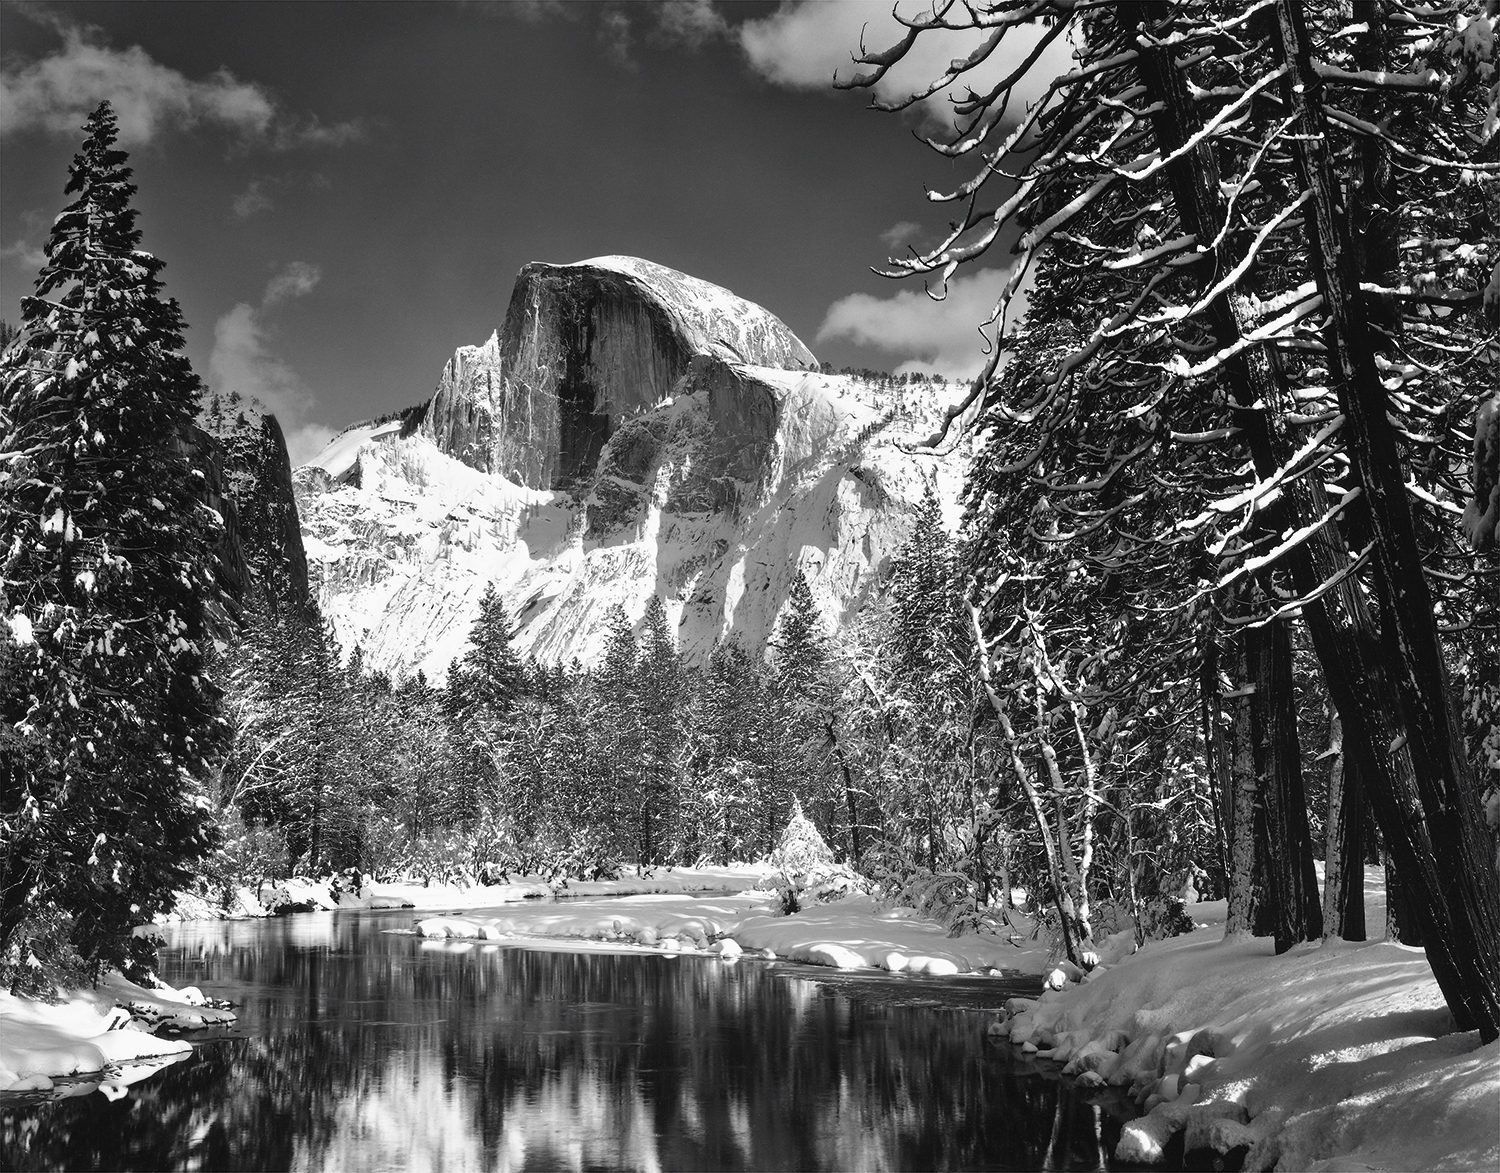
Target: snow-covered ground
321	894
1333	1056
98	1040
854	933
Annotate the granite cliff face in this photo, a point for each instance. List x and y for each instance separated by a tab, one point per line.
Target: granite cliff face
248	479
629	431
583	347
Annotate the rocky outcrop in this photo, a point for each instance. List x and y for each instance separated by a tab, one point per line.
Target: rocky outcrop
583	348
248	478
268	513
205	456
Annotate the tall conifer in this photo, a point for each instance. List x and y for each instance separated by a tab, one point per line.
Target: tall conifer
108	566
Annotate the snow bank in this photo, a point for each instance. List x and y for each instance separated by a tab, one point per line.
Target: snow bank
658	922
677	881
300	894
1338	1055
98	1038
848	934
853	933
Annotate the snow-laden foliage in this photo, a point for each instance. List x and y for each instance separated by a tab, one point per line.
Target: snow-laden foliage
806	872
107	580
1240	399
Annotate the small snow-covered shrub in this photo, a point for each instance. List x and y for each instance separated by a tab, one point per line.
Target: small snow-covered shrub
249	852
800	847
805	868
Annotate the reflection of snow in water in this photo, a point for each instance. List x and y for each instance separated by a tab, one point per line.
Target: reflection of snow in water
379	1054
412	1115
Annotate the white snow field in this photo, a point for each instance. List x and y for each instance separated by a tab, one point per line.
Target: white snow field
98	1038
400	555
320	894
1333	1056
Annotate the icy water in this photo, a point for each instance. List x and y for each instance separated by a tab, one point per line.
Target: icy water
359	1049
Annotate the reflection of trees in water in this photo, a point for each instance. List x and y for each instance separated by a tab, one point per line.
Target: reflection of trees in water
377	1052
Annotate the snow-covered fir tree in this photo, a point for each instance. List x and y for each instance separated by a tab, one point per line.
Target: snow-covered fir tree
488	680
108	568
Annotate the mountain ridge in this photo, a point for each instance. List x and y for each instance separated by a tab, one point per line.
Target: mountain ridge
608	442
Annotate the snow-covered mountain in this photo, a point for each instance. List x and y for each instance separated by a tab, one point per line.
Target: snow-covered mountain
628	430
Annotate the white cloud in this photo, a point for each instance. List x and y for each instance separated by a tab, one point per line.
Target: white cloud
688	24
615	35
305	441
26	255
297	279
899	233
805	42
55	93
692	23
253	200
243	362
941	336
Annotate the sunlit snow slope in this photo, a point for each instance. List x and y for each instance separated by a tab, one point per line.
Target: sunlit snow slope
701	478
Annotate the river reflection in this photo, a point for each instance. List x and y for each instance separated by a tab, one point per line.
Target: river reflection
358	1049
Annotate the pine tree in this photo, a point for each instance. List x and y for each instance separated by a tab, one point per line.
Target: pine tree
727	756
616	739
489	679
485	687
660	701
109	560
804	730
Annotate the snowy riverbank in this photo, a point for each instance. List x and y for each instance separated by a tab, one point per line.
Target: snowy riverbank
1333	1056
333	893
98	1040
849	934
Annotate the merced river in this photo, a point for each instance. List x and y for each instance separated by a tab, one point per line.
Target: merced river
359	1048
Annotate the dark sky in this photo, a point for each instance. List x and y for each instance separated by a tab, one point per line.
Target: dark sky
343	192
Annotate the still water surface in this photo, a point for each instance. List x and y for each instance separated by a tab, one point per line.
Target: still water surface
359	1049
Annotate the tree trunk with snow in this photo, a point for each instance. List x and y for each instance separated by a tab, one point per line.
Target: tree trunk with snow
1055	879
1215	756
1469	889
1249	910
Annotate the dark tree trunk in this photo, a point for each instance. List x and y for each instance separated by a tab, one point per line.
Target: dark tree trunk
1216	757
1343	634
1291	880
1468	887
1402	920
1344	866
1249	910
851	803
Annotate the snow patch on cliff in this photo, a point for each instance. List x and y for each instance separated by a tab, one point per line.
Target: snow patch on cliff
713	500
717	320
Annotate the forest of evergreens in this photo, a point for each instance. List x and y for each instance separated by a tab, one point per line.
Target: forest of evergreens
1224	601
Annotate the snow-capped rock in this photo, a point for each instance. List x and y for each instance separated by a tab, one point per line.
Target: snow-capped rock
608	443
583	347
